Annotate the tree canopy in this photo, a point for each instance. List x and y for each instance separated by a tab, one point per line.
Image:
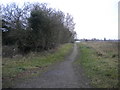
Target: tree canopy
35	27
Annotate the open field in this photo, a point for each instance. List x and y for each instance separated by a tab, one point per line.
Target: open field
32	64
100	63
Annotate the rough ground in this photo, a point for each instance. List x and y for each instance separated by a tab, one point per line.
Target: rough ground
62	75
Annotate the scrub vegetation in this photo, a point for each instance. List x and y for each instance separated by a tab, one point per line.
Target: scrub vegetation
34	27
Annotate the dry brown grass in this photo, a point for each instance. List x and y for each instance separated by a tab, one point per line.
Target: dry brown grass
106	49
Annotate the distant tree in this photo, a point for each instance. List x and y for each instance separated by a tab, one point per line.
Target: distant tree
104	39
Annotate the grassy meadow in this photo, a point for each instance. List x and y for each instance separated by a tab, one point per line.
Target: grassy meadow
32	64
100	63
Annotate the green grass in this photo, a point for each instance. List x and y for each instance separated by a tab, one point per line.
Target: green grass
12	67
102	71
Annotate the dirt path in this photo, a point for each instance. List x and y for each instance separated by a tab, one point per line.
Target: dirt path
61	75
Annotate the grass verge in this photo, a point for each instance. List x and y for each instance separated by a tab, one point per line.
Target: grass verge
31	65
100	62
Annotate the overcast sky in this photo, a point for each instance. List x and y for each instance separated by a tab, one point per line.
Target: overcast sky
93	18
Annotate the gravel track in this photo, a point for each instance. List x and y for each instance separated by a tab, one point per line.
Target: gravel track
61	75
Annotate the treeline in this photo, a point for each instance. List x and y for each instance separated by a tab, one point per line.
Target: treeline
35	27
